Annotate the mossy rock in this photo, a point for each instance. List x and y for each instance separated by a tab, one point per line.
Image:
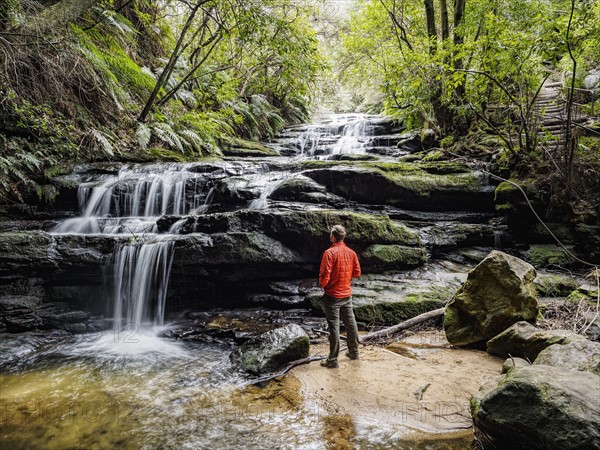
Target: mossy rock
390	305
393	256
430	187
162	154
244	148
554	285
271	350
434	155
579	354
498	292
577	296
546	255
540	406
524	340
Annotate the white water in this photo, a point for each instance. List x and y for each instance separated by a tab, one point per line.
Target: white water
336	134
132	201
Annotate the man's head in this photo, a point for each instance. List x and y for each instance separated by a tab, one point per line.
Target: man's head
338	232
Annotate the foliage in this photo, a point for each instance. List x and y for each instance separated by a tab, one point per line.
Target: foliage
74	83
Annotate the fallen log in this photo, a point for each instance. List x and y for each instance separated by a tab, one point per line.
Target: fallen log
286	369
403	325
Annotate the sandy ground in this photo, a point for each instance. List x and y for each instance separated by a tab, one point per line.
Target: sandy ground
418	387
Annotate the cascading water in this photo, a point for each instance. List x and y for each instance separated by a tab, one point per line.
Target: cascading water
337	134
130	203
133	200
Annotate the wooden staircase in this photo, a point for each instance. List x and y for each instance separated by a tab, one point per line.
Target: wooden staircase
550	113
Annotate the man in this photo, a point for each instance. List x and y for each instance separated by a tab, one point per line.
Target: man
338	266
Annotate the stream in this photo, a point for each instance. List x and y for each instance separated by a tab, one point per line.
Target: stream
143	253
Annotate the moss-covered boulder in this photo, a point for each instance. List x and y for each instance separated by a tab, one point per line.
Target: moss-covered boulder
554	285
273	349
243	148
547	255
392	256
381	299
526	341
539	407
498	292
579	354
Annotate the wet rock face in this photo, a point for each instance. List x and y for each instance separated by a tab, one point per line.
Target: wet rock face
418	140
273	349
526	341
411	187
498	293
538	407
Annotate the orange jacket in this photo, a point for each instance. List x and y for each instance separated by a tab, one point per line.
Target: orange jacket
338	266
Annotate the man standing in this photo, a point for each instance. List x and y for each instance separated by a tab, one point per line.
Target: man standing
338	266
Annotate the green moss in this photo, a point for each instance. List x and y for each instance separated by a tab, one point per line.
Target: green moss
393	255
162	154
243	147
578	296
505	192
393	312
554	285
544	255
365	228
434	155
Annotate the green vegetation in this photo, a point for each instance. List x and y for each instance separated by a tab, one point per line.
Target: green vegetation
145	79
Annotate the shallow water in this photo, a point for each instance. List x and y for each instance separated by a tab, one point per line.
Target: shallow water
183	396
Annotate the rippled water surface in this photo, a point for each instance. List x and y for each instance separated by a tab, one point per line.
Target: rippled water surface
181	396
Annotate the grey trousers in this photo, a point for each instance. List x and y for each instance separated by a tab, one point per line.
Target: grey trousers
334	307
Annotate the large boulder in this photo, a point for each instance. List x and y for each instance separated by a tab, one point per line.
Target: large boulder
498	293
417	140
526	341
540	407
273	349
580	355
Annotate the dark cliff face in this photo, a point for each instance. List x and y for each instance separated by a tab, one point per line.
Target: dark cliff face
235	227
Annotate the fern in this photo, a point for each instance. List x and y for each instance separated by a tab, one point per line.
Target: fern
193	140
104	144
166	134
143	135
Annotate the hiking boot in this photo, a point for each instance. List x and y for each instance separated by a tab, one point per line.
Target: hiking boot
330	363
349	355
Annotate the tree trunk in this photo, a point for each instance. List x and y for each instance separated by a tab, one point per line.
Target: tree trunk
444	19
431	29
166	73
58	16
459	13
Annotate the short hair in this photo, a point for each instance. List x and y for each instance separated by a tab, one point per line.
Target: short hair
339	232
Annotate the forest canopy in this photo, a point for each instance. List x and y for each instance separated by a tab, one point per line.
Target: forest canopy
129	79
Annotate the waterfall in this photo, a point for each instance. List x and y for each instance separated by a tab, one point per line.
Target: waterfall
354	137
338	134
133	200
141	278
130	203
